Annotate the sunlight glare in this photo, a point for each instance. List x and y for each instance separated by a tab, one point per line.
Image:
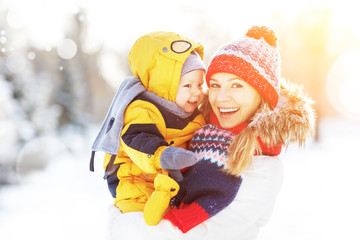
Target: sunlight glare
349	94
42	21
343	84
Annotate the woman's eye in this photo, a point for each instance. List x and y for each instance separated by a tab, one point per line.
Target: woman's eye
237	85
214	85
187	85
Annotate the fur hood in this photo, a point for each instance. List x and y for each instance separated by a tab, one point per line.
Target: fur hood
293	119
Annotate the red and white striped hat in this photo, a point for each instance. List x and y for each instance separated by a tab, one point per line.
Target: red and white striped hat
254	58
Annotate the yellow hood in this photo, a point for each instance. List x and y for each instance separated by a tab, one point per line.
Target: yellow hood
157	59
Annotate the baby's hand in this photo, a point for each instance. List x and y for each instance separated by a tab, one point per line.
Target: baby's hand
175	158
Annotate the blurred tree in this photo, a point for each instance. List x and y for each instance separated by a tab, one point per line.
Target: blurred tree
45	92
90	95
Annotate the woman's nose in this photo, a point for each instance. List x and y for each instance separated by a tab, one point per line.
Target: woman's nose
222	95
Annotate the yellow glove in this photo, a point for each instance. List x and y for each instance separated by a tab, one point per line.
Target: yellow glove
165	189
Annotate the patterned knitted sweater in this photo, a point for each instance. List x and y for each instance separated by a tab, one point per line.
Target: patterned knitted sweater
206	188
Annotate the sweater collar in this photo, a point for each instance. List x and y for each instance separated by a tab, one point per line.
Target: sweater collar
270	150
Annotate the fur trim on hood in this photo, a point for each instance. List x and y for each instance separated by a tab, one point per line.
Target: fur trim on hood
293	119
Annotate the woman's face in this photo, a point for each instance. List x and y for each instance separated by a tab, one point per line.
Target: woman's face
233	100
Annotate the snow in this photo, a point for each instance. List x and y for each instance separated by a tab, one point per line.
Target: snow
64	201
319	198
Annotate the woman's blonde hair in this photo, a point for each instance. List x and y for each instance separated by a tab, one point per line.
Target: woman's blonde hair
205	107
244	145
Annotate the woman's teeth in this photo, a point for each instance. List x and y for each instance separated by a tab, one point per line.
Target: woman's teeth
228	110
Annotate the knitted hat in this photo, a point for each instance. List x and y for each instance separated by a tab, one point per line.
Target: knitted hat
192	62
254	58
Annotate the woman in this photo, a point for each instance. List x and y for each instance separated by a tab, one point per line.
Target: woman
252	115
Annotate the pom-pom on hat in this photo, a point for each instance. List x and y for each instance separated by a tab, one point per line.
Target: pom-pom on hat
254	58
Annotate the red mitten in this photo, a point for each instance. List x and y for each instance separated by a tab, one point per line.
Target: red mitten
187	216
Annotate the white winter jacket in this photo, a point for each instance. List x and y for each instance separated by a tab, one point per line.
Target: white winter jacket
293	120
241	220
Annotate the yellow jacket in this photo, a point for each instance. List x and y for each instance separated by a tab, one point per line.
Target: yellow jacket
152	121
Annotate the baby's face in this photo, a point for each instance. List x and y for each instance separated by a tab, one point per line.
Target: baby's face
189	94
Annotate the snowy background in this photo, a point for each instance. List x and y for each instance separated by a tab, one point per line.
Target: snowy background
62	61
319	198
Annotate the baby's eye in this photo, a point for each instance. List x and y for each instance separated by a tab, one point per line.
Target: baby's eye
187	85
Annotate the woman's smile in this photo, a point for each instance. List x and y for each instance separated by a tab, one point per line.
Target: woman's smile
227	112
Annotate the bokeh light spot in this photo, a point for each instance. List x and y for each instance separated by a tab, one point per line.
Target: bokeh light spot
343	84
3	39
31	55
349	94
67	49
15	19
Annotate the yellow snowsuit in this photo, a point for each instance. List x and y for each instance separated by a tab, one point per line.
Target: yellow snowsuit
156	59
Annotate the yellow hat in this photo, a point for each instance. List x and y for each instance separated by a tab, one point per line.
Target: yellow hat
157	59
